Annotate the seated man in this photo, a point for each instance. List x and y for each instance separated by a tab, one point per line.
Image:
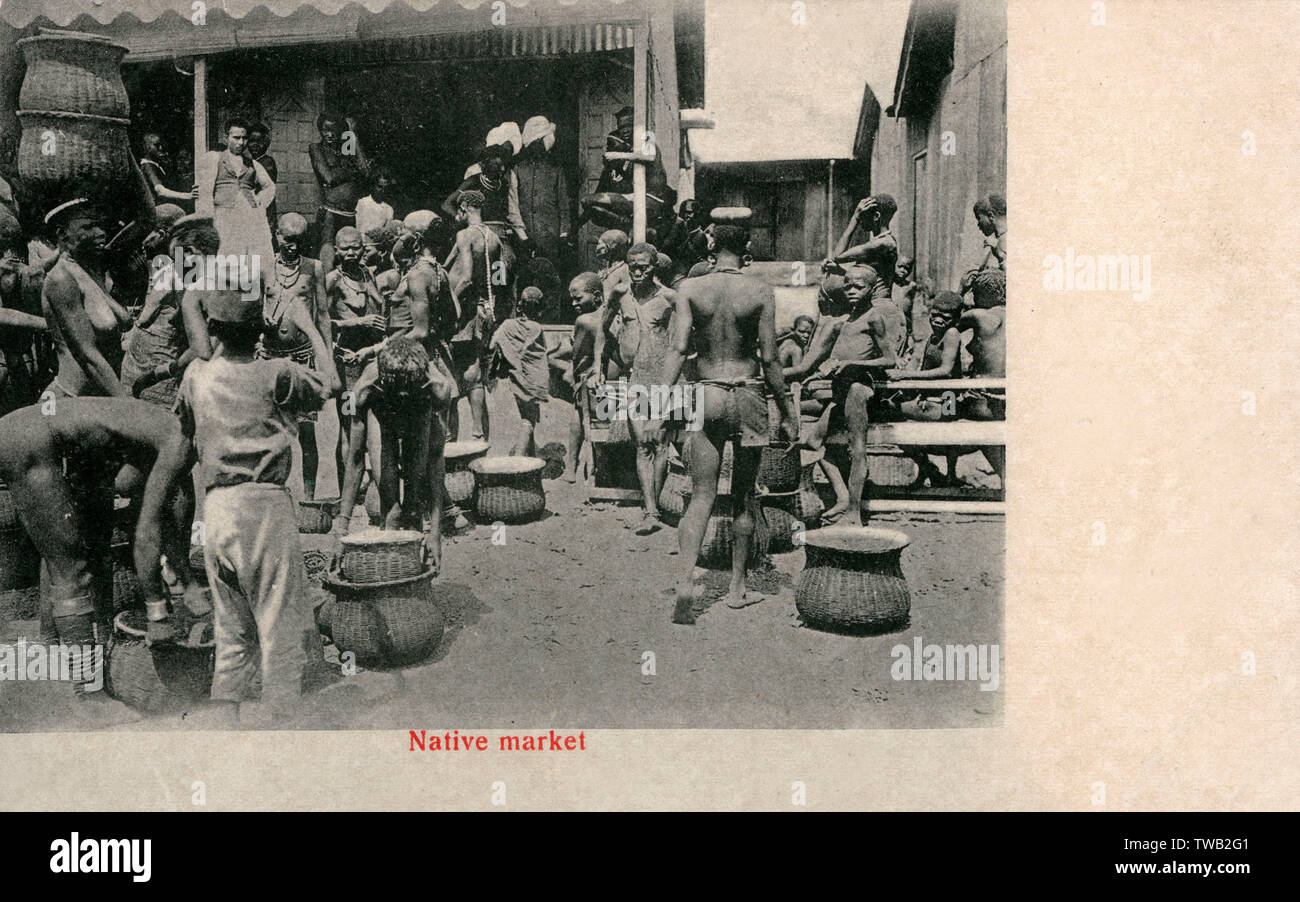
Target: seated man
60	470
842	366
988	349
409	394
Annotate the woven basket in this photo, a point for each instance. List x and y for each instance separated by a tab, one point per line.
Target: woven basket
316	517
385	624
163	677
325	616
508	488
673	495
809	506
74	72
381	556
127	593
783	521
20	604
778	468
83	148
459	479
853	580
715	548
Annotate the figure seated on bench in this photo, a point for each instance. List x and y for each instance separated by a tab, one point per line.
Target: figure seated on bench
847	357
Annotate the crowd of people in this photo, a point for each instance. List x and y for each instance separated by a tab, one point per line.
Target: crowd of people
125	363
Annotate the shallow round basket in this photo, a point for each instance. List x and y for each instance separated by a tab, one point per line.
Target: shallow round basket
508	488
385	624
852	580
778	468
783	522
162	677
459	480
381	555
715	547
317	517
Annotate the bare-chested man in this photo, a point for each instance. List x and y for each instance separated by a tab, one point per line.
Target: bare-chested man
408	393
340	165
727	317
58	466
988	349
296	302
848	358
647	312
615	352
478	267
880	250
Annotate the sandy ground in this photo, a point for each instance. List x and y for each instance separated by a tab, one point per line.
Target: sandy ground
552	629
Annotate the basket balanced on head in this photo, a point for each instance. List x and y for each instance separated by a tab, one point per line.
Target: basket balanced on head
460	479
852	580
508	488
384	624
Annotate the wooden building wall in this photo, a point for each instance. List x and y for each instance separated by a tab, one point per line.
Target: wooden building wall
950	151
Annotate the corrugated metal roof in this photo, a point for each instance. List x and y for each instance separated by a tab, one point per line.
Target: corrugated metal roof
21	13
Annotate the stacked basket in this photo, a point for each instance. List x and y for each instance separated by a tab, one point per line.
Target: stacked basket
459	480
508	489
75	115
383	609
853	581
715	547
163	676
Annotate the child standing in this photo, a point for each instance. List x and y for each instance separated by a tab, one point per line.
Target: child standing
242	413
587	294
519	352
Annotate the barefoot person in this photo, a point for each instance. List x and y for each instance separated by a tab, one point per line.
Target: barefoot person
850	358
242	412
519	349
51	463
586	294
408	394
295	311
479	268
646	313
988	349
729	319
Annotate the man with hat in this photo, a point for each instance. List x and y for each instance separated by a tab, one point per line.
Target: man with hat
543	191
729	320
241	413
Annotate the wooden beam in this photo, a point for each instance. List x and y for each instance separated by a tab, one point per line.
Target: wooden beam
640	101
926	506
200	109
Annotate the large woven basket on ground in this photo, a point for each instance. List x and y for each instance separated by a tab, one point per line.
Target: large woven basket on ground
853	580
508	488
715	549
19	563
381	556
74	72
460	480
317	517
165	676
384	624
780	511
778	468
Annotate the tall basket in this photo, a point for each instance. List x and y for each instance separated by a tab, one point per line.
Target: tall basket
852	580
508	488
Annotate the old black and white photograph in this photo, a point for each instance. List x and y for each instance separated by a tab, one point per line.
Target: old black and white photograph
578	364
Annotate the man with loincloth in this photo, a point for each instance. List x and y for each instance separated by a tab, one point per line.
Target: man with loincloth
357	317
409	394
479	269
340	166
59	467
848	359
730	321
647	312
295	305
586	294
518	349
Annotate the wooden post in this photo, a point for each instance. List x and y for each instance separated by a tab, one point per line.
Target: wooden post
640	98
830	209
200	109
